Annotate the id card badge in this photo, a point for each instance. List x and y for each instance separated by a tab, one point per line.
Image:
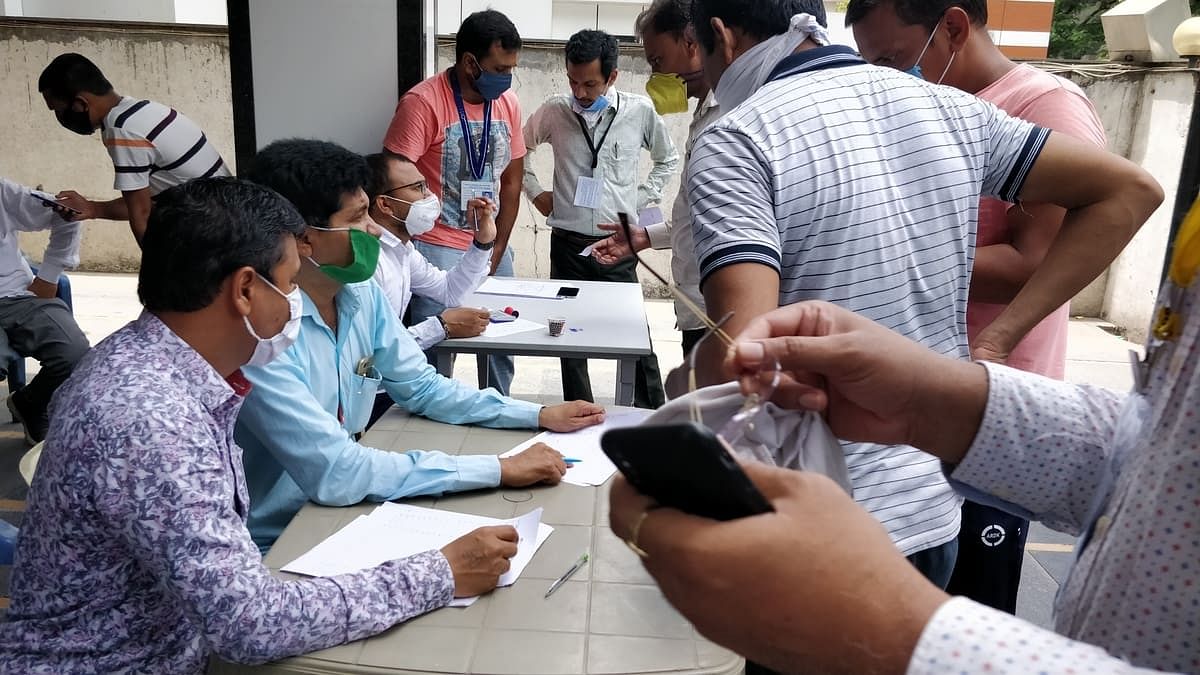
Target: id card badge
588	192
476	189
651	215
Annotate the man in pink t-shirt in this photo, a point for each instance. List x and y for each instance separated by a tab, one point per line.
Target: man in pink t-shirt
462	129
946	41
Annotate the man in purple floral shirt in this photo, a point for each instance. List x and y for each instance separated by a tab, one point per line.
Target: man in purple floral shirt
134	554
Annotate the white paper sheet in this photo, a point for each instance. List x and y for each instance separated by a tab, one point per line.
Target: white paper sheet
595	468
394	531
589	192
650	216
519	288
518	325
587	251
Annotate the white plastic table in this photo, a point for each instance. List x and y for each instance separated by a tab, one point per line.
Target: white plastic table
606	320
608	618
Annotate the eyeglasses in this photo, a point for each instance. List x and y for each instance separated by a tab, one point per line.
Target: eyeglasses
742	421
420	185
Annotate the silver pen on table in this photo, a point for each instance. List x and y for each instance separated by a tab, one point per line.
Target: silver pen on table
567	575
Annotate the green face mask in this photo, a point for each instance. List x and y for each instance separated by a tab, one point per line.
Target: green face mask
366	257
668	91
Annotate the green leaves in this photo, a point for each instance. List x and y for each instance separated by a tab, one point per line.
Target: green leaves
1077	32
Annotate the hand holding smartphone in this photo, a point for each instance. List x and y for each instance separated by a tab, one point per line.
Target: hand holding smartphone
686	467
52	202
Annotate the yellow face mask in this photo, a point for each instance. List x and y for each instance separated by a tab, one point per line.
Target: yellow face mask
668	91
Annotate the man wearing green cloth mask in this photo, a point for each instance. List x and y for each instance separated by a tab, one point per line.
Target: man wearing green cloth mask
299	427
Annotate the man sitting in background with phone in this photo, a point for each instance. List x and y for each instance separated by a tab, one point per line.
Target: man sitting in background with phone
35	322
299	425
403	206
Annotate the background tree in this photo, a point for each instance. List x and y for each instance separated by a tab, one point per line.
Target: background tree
1077	31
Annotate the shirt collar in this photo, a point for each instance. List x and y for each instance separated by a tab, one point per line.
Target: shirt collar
212	390
820	58
347	304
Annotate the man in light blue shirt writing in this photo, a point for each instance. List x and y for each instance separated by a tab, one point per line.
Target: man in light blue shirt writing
298	424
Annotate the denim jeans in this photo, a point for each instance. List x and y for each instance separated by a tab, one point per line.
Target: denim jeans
937	563
500	368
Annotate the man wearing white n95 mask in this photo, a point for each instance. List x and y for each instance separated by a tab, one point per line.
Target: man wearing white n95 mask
404	207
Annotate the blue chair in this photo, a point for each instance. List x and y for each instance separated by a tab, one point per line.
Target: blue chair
16	367
8	542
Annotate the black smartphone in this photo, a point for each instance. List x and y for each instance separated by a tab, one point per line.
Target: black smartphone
568	291
48	200
684	466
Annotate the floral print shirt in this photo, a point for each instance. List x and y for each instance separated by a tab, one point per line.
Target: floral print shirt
134	553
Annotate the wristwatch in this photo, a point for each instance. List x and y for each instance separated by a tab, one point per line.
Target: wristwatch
484	247
445	330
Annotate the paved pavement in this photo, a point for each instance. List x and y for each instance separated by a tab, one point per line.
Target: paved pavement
104	303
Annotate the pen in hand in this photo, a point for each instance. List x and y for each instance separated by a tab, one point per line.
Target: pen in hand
567	575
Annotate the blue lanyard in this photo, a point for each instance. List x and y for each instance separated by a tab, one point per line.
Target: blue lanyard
476	157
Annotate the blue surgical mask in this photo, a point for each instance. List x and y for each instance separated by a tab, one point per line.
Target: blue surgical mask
599	105
492	86
915	71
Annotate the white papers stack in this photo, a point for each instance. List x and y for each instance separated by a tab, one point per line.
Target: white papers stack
594	467
520	288
518	325
394	531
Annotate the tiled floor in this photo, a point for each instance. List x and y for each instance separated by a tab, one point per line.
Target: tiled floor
103	303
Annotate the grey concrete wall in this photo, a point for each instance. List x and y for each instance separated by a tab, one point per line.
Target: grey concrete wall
1146	116
186	69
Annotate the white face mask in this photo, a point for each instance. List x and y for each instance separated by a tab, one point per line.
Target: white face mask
268	349
422	214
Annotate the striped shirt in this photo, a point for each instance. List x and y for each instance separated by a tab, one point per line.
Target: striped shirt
153	146
860	185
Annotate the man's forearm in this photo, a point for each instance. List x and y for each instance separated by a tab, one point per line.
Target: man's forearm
510	206
1080	253
505	221
114	209
949	407
999	274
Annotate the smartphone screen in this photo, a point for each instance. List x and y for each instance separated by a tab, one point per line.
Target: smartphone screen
568	292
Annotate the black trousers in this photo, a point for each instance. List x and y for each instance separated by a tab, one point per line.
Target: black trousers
566	264
690	338
991	548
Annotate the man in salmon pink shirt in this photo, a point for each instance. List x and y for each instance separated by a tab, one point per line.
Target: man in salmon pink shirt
946	41
462	129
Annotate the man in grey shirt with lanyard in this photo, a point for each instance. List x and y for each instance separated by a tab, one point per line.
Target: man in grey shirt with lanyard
596	133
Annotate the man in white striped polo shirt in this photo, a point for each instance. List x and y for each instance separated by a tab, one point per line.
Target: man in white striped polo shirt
832	179
152	146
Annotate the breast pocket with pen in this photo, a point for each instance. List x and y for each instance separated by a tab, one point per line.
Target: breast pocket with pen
364	387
